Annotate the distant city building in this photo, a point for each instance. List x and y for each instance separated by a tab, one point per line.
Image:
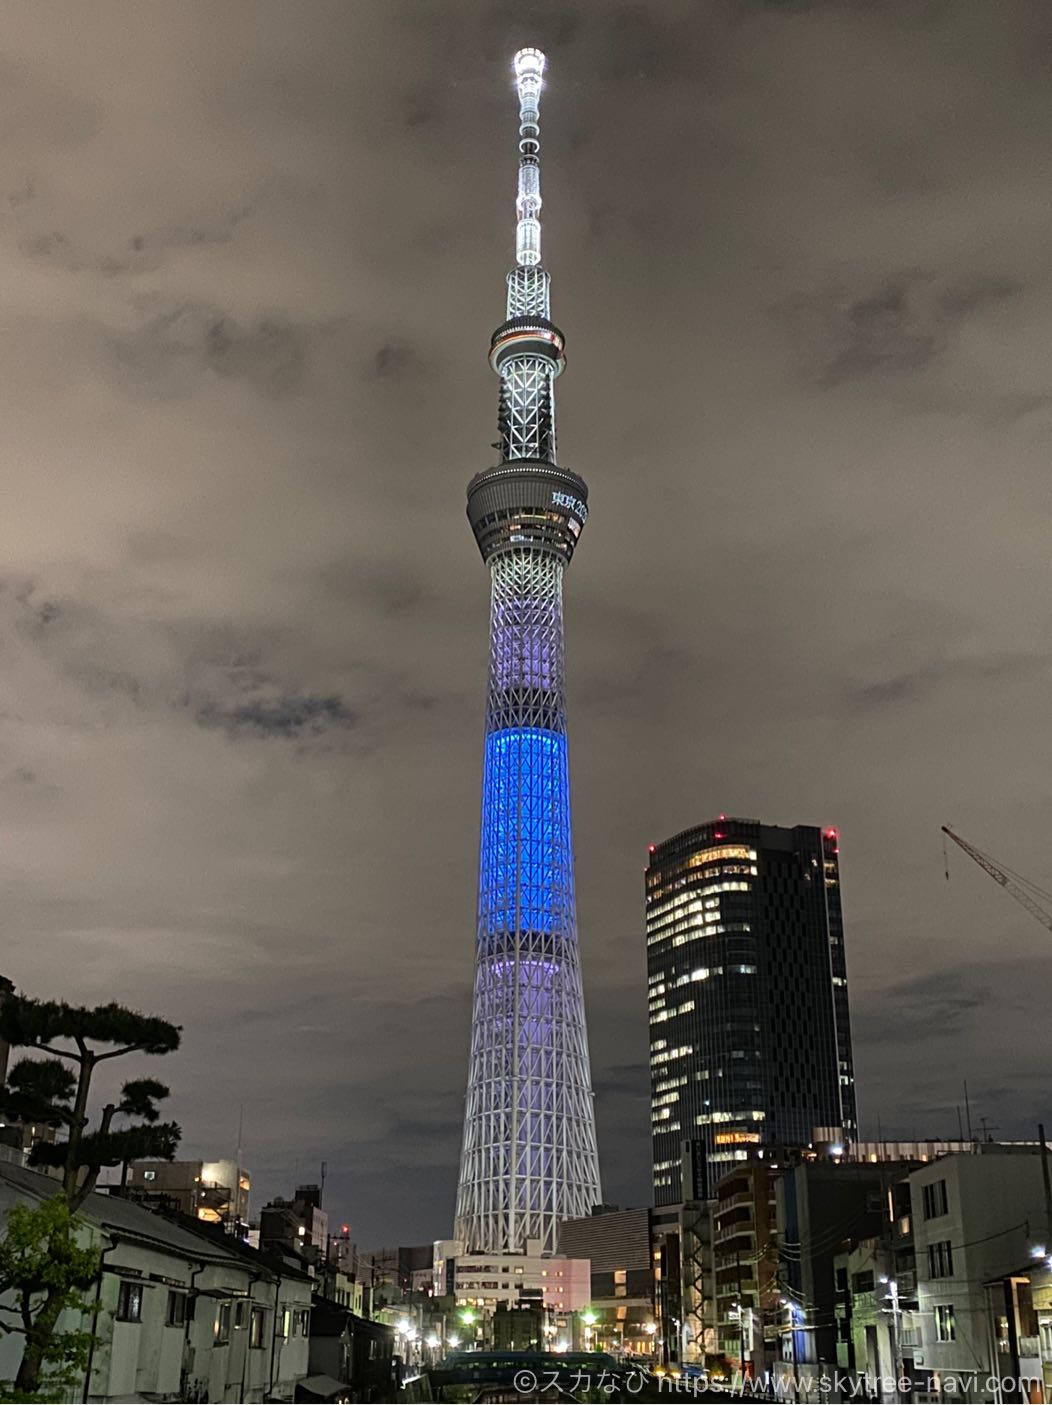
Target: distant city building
620	1248
482	1281
822	1206
216	1192
520	1328
400	1272
16	1138
746	1293
683	1273
299	1225
750	1040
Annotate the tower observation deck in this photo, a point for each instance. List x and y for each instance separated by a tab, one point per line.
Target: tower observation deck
529	1153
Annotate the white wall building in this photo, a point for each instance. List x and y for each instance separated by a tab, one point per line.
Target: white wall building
483	1280
976	1218
184	1315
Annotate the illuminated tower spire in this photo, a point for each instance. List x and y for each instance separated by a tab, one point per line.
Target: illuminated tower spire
529	1154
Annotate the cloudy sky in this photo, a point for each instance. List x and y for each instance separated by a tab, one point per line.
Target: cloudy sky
251	257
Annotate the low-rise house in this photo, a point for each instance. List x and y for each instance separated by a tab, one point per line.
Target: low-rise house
351	1358
182	1315
975	1221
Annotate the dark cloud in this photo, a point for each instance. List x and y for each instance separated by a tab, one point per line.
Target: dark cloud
941	1003
279	717
270	354
901	326
919	683
396	361
171	350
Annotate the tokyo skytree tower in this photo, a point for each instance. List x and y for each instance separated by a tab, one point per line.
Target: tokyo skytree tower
529	1154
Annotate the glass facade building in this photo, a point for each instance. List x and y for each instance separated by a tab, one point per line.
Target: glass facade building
750	1039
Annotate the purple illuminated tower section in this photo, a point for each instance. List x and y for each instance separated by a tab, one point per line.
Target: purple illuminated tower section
529	1155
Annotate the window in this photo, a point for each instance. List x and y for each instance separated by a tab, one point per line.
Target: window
945	1324
1045	1332
303	1321
286	1322
149	1175
257	1327
176	1310
935	1202
940	1259
129	1302
222	1324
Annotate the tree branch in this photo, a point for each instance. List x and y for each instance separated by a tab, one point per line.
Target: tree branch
116	1053
62	1053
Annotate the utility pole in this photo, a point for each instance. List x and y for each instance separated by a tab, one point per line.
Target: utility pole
896	1335
796	1356
1047	1179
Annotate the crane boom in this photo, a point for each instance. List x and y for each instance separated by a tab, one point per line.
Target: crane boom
1007	880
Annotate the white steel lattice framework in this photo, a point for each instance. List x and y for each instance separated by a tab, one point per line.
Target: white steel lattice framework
529	1154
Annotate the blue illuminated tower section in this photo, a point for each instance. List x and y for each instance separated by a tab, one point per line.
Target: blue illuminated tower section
529	1154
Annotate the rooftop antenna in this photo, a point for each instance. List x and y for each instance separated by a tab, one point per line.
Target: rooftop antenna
529	71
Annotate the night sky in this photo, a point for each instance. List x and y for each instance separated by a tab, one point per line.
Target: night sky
252	255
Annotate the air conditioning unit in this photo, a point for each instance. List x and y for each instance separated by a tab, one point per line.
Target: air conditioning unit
918	1358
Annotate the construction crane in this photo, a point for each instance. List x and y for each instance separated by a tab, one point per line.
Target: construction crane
1020	888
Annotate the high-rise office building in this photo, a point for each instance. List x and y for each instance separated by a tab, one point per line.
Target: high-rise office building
529	1152
750	1042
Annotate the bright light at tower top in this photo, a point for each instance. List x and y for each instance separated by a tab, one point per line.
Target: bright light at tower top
529	67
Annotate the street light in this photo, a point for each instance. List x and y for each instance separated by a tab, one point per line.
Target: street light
589	1318
453	1342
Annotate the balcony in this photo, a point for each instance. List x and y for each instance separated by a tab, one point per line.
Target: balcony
743	1197
745	1230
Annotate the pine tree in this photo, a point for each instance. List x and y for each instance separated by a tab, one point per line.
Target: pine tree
54	1092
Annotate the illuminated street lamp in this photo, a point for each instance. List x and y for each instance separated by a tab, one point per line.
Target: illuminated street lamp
589	1318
